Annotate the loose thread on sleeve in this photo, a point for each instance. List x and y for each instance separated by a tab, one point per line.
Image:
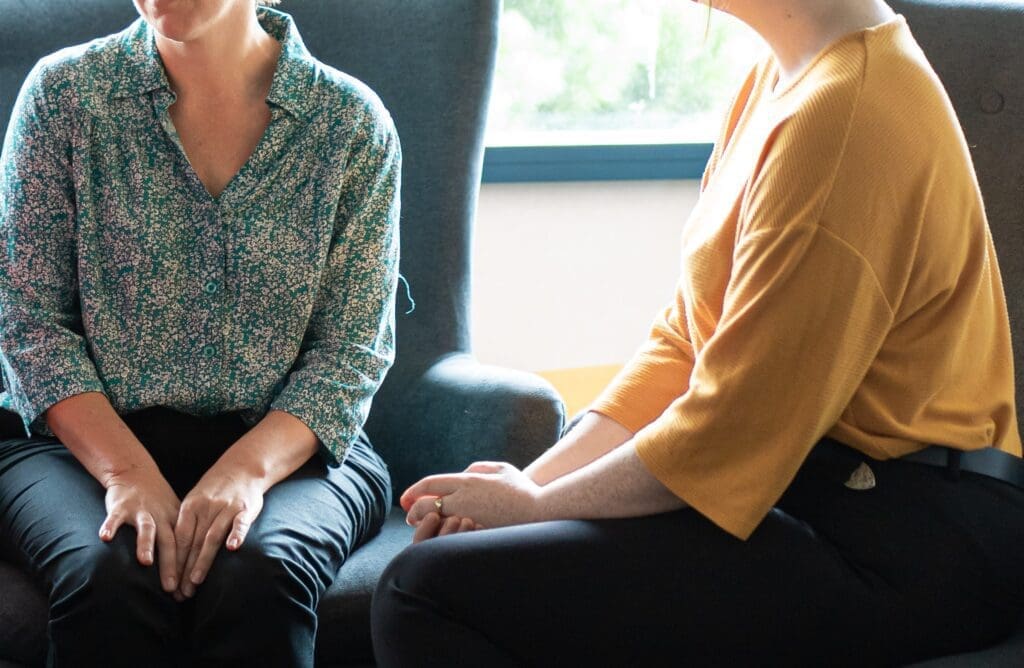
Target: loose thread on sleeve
408	294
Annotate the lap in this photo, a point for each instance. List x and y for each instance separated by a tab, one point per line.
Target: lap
51	508
638	591
321	514
869	578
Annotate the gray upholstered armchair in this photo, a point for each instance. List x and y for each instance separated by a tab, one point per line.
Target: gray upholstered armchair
431	62
977	51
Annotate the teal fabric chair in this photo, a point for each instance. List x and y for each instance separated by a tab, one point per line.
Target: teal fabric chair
431	61
977	51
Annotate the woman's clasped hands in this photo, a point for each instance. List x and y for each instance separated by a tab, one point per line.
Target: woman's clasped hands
487	494
184	535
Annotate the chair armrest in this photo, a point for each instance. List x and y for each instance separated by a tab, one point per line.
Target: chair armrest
460	411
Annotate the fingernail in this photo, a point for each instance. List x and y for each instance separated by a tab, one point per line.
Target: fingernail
147	556
197	577
171	583
187	589
233	544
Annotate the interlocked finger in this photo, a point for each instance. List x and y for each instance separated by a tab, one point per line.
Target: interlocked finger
146	540
212	541
166	555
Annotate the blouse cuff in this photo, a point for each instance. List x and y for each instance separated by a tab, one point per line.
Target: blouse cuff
31	403
334	426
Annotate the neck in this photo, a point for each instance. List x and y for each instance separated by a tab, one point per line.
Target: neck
237	58
798	30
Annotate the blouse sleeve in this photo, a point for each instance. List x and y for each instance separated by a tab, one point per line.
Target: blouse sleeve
43	348
349	343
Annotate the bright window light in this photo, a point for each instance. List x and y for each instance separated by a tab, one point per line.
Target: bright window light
600	72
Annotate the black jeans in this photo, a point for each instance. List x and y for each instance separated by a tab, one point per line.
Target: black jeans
257	606
919	566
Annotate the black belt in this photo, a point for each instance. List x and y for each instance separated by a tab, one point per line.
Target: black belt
986	461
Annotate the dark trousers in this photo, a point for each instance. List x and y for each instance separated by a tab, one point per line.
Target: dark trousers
919	566
257	606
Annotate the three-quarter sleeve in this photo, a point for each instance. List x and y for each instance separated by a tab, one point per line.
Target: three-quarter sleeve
349	343
44	351
657	374
803	319
659	371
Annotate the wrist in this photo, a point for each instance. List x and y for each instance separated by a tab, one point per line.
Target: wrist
533	473
120	472
245	467
543	507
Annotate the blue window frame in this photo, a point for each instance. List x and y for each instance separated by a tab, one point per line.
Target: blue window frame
524	164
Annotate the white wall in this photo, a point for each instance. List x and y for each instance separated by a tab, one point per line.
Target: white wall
569	275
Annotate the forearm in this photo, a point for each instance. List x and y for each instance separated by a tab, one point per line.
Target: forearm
616	485
593	437
97	436
272	450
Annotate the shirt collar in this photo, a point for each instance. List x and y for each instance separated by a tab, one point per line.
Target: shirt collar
292	86
141	69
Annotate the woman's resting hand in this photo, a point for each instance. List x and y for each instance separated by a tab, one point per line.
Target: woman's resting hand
218	511
433	525
493	494
140	497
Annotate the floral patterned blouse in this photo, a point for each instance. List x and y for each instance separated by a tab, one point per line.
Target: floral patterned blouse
122	274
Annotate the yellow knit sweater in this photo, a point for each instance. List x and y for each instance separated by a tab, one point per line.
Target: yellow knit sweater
839	279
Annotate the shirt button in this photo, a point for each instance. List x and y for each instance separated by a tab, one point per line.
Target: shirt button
211	287
209	350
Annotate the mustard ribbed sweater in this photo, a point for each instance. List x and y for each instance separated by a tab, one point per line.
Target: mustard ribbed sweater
839	279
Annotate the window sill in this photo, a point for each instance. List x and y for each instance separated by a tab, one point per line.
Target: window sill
639	162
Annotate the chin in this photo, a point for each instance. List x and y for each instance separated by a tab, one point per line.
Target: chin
173	28
173	19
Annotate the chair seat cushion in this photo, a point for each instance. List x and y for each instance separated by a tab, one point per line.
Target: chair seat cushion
1007	654
344	632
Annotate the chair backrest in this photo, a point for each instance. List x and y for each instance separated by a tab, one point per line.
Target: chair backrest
977	50
431	62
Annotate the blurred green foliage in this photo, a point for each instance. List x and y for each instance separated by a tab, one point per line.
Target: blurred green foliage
600	65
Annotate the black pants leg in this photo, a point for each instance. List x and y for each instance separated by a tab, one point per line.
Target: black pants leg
916	567
257	606
310	523
105	608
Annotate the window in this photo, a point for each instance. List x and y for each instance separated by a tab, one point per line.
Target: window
634	87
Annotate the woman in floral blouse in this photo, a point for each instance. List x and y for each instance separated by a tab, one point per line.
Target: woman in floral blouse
196	307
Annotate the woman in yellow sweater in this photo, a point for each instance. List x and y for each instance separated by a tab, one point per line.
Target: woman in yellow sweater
758	486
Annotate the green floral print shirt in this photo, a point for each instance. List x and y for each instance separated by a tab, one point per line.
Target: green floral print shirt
122	274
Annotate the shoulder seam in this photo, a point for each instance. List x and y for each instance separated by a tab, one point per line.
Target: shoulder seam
817	227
